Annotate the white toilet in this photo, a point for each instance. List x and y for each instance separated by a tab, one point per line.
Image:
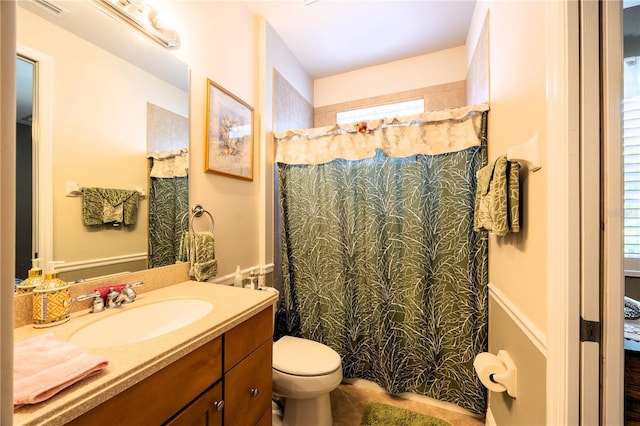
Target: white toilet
304	373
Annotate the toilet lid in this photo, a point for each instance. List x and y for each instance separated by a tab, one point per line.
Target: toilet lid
303	357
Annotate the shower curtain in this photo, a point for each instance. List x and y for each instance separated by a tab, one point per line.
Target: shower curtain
380	260
168	206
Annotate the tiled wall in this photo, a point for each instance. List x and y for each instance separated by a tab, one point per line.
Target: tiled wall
290	109
478	73
442	96
166	130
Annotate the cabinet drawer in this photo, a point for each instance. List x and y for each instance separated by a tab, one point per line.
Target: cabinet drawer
243	404
204	411
243	339
161	395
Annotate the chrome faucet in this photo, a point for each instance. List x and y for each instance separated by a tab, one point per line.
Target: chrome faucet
115	299
98	303
126	295
129	292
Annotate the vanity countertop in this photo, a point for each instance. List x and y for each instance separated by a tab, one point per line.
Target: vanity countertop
131	363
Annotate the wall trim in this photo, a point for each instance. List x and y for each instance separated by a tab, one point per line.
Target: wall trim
103	261
537	336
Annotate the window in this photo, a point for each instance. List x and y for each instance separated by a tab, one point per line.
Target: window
631	160
381	111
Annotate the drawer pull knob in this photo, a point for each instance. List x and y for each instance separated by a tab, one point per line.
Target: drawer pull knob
255	392
218	405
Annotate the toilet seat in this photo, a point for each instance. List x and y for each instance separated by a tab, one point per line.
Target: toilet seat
303	357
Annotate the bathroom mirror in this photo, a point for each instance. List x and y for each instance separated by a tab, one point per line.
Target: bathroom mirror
102	91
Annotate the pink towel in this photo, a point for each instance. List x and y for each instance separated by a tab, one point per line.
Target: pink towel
44	365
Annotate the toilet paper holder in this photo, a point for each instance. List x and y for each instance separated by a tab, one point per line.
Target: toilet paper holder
504	379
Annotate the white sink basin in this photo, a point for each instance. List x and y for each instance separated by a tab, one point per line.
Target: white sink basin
133	324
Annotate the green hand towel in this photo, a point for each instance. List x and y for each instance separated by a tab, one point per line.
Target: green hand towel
202	255
497	197
205	270
105	205
184	251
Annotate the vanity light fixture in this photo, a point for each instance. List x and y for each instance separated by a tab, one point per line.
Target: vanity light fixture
51	8
143	17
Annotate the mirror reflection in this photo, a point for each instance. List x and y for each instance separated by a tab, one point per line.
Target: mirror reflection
109	117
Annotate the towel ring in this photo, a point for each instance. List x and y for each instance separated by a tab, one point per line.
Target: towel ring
197	211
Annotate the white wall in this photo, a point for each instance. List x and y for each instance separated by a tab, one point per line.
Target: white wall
282	59
220	41
441	67
518	111
518	262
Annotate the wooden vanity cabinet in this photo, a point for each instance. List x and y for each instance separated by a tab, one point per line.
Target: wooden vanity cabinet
247	382
166	392
226	381
247	371
204	411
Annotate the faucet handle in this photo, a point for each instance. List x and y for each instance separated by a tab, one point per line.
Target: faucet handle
114	300
86	296
98	303
128	293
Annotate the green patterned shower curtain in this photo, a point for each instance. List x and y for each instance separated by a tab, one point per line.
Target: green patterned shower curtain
381	263
168	206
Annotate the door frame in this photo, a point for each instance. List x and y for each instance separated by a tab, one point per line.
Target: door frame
612	215
590	209
42	132
563	211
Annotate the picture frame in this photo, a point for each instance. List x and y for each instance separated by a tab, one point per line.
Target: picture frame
229	134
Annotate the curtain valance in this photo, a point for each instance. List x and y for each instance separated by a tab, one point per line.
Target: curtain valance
170	164
429	133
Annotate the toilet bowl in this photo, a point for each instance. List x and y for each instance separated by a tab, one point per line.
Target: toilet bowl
304	373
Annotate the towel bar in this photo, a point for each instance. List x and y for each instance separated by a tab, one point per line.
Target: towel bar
197	211
526	154
72	189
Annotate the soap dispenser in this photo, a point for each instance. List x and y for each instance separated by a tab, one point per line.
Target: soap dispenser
51	300
34	279
237	279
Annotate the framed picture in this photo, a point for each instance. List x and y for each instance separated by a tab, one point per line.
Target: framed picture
229	141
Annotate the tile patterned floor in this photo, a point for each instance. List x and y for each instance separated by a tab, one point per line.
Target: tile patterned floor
348	402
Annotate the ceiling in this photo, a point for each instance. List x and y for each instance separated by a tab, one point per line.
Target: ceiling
327	36
334	36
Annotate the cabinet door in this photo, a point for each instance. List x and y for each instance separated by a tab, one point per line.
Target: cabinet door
161	395
246	337
266	419
204	411
247	388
